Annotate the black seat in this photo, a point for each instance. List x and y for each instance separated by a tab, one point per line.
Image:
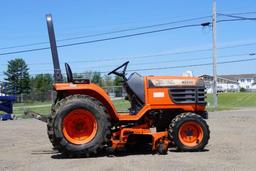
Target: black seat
136	83
70	78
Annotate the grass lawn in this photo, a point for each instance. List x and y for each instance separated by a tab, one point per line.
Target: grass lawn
226	101
39	107
45	107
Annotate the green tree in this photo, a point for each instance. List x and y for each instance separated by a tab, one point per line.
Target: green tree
97	79
118	81
108	81
242	89
87	75
41	83
94	77
17	74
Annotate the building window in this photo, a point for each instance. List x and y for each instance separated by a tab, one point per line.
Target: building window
247	87
242	80
249	80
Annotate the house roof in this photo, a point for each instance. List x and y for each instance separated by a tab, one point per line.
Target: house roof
237	77
220	78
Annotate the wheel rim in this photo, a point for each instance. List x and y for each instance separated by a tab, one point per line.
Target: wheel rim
191	133
79	126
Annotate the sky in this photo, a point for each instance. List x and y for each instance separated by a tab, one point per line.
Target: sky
23	22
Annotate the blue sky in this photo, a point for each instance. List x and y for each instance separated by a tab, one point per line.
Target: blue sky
23	22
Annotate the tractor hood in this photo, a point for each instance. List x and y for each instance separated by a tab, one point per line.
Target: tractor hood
170	81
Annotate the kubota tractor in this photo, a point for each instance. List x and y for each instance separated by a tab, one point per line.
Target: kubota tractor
84	120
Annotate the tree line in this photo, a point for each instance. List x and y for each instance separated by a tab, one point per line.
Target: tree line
21	82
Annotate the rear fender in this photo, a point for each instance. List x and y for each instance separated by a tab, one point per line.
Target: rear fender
93	90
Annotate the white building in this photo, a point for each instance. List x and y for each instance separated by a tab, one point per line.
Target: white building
246	81
231	83
223	84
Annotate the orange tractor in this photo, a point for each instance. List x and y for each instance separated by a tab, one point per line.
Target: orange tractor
84	121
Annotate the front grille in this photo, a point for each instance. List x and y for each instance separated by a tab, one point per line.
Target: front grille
188	94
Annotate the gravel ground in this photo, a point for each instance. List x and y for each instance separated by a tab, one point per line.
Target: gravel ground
24	145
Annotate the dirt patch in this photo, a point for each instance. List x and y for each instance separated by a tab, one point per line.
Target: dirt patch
24	145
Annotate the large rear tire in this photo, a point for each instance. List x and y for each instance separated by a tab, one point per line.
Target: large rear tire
189	132
80	126
50	132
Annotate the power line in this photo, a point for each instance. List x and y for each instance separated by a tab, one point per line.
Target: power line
134	28
117	37
137	28
111	32
237	17
175	60
124	30
168	61
101	40
193	65
130	35
193	59
151	55
25	51
242	13
24	45
179	66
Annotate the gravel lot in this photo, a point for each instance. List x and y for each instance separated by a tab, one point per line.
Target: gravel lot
24	145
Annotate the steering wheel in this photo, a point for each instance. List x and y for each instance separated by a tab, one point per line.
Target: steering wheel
121	74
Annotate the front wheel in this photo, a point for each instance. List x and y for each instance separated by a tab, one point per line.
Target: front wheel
189	132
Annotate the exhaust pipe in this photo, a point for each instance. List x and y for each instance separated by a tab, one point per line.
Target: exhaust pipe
56	65
55	58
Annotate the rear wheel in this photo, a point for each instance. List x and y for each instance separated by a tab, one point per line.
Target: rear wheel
80	126
189	132
50	132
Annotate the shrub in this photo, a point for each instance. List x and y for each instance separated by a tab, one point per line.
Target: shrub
242	89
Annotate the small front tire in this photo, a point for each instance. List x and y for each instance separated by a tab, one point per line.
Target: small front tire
162	148
189	132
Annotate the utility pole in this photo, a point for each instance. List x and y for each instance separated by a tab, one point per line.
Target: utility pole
214	55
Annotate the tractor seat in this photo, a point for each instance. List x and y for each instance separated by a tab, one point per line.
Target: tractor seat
70	78
136	83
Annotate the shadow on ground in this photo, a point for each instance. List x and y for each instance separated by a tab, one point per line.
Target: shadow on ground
123	153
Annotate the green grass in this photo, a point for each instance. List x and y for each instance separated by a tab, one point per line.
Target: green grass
226	101
121	105
44	107
39	107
